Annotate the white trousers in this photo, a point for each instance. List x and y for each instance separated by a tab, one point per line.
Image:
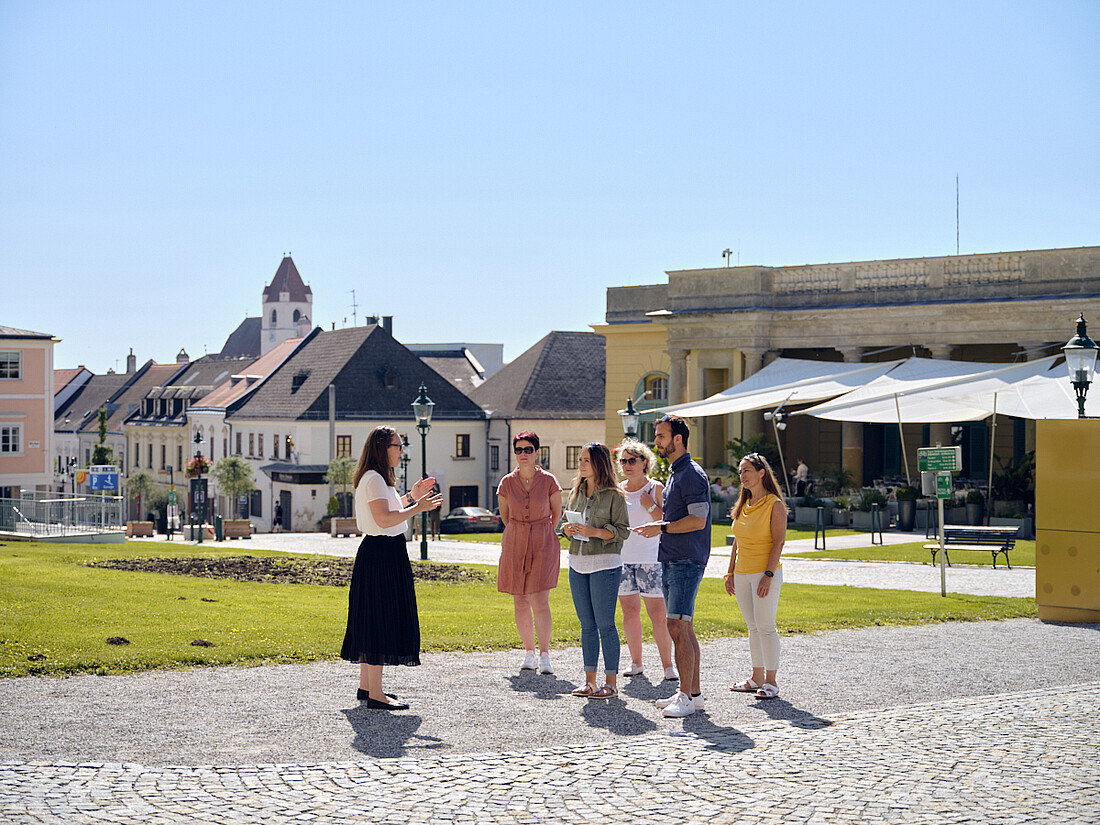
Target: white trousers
759	615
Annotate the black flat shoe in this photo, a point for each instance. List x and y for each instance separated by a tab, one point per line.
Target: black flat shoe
376	705
361	694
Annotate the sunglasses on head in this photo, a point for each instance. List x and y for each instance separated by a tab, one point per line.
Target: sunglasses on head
756	460
523	450
629	461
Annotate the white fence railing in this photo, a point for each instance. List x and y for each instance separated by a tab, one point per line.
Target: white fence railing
61	514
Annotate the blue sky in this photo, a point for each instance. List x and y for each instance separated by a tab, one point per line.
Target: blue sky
483	171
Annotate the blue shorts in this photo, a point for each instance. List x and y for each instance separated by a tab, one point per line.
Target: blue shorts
681	584
644	579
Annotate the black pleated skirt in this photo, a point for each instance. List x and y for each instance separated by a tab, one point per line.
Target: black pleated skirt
383	625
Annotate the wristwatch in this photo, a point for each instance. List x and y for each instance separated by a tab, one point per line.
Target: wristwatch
664	526
769	574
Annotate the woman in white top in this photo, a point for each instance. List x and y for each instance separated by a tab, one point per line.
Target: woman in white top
641	580
383	625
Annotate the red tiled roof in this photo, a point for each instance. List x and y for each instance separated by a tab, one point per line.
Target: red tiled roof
287	279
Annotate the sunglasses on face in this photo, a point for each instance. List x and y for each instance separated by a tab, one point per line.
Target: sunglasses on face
629	462
523	450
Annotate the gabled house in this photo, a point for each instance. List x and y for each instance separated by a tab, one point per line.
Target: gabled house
157	432
323	401
555	389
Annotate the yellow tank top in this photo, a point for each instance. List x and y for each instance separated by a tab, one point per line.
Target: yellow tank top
753	531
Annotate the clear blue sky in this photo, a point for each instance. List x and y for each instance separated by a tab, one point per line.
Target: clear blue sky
484	171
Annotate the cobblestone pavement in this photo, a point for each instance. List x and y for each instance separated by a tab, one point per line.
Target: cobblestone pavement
1009	758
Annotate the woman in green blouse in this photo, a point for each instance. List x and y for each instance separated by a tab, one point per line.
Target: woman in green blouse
597	524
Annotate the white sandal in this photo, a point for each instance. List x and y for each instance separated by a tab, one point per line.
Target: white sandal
767	691
747	686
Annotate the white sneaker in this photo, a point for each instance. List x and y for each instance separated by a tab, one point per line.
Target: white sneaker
529	661
544	664
664	703
682	705
700	702
633	670
670	674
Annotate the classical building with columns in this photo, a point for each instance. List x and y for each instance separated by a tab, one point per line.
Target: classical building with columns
708	329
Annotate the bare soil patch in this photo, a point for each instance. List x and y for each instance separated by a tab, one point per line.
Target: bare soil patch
292	570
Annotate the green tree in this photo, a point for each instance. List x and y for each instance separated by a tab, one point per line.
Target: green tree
234	477
102	454
341	471
140	485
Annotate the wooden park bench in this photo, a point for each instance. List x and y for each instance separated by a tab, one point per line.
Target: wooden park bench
990	539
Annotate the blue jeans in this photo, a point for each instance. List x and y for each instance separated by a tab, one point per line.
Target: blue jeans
681	579
594	597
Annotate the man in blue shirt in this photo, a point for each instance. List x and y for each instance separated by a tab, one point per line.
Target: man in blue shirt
683	554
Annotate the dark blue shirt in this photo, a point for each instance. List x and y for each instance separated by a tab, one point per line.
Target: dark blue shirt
687	493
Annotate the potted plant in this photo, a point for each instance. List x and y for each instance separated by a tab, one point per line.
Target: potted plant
975	508
842	512
907	507
805	511
861	516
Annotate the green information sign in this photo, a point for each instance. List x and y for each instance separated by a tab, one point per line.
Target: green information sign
943	484
935	459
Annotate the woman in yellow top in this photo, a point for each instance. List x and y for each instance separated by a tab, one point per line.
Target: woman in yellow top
756	574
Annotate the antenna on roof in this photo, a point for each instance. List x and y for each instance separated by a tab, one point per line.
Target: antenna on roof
354	306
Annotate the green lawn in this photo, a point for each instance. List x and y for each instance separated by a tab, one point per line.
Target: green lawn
1022	555
56	614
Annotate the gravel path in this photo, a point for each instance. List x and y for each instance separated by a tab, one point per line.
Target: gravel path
471	703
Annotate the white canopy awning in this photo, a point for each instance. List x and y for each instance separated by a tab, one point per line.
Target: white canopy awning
923	390
794	380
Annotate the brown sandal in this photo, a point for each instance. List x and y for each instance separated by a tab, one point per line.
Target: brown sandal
606	692
586	690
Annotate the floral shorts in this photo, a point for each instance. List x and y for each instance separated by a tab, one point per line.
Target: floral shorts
642	578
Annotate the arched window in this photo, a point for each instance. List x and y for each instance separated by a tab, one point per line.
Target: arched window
274	317
656	388
297	315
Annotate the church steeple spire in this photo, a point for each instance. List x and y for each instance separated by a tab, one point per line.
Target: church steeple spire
288	306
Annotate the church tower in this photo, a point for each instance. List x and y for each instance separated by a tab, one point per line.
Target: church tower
288	307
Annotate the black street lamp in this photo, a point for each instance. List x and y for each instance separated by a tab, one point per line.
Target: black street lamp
631	419
1080	354
405	462
422	409
198	488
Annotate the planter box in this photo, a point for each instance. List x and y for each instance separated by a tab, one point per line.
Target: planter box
808	515
842	518
861	520
1026	525
139	529
343	527
236	528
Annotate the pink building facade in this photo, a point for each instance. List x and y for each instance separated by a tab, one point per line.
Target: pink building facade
26	411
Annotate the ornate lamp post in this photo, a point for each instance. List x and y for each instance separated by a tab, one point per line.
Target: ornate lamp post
405	462
422	409
198	488
1081	361
631	419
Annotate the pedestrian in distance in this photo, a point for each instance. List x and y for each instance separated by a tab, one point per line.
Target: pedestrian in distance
597	524
530	552
756	573
684	551
641	580
383	626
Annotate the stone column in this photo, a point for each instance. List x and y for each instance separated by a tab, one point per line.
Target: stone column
851	432
1034	351
752	422
940	433
677	376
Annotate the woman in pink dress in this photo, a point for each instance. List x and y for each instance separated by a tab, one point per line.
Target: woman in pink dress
530	553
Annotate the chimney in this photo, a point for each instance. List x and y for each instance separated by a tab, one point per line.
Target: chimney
182	357
387	323
131	362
